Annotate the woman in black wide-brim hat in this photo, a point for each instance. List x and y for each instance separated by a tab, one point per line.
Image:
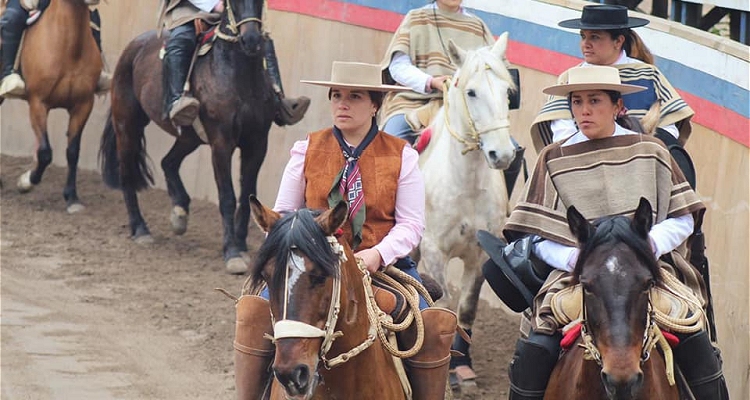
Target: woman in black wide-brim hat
608	38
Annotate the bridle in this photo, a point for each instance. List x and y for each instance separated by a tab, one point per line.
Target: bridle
473	140
234	26
652	336
286	328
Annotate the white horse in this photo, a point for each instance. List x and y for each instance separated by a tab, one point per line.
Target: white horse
465	189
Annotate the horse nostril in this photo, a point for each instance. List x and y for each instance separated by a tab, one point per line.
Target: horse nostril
301	377
493	155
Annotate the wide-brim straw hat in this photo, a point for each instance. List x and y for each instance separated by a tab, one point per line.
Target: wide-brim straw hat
604	17
593	77
355	75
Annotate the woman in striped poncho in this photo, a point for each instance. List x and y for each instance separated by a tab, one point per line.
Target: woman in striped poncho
603	169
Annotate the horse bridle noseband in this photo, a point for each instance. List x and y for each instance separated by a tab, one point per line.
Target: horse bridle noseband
652	336
234	26
474	141
286	328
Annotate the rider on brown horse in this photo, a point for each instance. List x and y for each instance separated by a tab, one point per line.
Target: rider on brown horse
180	18
19	14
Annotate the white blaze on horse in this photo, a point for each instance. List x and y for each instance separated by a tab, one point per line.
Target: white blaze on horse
465	189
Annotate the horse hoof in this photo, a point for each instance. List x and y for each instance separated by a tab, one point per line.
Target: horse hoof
75	207
179	219
24	182
463	381
236	266
144	239
246	257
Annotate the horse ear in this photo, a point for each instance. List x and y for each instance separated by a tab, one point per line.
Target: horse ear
456	54
333	218
264	217
579	225
643	218
500	46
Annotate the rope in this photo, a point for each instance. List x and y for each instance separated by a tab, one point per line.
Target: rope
690	324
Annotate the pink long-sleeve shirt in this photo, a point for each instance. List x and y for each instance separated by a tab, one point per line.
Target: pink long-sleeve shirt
405	234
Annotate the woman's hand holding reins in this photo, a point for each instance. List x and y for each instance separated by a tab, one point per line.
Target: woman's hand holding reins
371	258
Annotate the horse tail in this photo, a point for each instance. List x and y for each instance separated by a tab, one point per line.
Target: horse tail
108	160
134	172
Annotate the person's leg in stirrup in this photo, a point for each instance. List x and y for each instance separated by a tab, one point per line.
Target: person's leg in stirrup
105	78
12	25
290	110
181	109
700	363
253	353
428	369
532	365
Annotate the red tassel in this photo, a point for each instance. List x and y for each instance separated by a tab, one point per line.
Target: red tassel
570	337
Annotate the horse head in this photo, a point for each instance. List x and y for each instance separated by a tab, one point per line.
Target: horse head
300	261
617	268
477	100
242	22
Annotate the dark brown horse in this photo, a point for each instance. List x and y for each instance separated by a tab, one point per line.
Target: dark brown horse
237	109
616	269
315	285
61	66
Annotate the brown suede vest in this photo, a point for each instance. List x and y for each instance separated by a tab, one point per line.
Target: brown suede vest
380	166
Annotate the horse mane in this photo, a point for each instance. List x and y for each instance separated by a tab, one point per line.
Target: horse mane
294	232
472	67
617	229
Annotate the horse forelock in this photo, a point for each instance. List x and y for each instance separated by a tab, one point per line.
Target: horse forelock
479	60
610	231
295	234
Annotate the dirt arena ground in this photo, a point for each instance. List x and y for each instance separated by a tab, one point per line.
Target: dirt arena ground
88	314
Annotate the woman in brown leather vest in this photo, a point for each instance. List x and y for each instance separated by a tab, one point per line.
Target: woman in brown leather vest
379	176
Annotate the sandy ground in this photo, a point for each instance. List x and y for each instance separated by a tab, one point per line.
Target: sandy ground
88	314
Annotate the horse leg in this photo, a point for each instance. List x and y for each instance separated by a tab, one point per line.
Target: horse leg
251	159
221	154
170	164
38	112
435	263
78	117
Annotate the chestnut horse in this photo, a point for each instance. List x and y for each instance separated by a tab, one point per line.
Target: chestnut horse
315	285
617	358
237	109
61	66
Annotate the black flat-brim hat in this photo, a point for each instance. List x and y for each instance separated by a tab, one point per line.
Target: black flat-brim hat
604	17
501	277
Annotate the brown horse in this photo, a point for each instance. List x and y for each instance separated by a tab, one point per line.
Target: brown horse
315	285
61	66
237	109
616	269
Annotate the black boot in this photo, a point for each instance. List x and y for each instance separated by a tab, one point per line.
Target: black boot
532	365
12	24
512	172
462	346
180	109
289	110
700	363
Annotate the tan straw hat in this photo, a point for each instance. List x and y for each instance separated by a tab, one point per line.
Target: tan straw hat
593	77
355	75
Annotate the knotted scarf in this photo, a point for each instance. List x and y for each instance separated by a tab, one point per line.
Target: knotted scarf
348	183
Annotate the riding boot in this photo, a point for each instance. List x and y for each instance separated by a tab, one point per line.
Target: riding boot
460	366
428	369
289	110
105	78
253	353
532	365
512	172
12	24
179	107
700	364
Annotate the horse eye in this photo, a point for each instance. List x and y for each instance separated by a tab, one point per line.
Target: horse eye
316	280
471	93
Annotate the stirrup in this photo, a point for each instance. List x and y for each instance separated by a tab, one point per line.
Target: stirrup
184	111
13	86
292	110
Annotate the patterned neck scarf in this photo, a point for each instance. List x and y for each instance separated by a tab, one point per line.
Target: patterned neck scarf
348	183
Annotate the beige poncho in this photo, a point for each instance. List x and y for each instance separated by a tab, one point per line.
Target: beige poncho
419	36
